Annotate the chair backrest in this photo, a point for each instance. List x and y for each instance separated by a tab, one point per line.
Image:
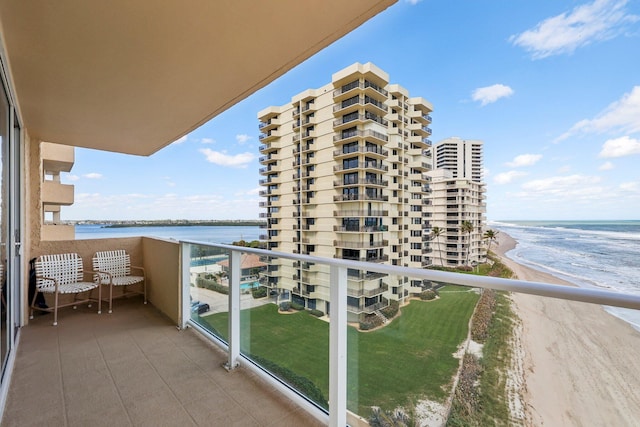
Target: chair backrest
65	268
117	262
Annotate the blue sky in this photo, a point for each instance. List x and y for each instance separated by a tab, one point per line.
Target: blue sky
551	87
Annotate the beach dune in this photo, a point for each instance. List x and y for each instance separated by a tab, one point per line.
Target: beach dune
581	364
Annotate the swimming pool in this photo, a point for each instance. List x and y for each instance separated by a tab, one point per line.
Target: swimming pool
249	285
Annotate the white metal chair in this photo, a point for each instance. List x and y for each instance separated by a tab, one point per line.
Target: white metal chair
114	269
63	274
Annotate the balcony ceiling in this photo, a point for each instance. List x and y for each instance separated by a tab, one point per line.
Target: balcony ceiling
132	76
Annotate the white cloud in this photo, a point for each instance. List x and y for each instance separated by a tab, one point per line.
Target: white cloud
413	2
71	177
93	175
632	187
561	184
254	191
236	161
585	24
180	140
208	141
507	177
524	160
242	138
606	166
489	94
620	147
622	116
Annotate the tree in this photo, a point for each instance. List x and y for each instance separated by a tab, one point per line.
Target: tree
490	236
467	227
435	233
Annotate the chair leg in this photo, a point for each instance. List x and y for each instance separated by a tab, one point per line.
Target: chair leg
33	303
100	299
144	289
110	297
55	311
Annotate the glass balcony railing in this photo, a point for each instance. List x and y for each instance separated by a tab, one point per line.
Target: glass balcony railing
339	346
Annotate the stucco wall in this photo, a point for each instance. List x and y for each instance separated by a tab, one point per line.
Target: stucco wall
162	265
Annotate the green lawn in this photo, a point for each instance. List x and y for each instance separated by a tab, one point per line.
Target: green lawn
409	358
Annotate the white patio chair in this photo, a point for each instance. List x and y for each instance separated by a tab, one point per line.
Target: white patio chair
63	274
114	269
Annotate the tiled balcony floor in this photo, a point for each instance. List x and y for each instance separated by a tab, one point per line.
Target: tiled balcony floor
133	367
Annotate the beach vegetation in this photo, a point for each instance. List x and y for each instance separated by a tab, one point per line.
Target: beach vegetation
396	418
481	397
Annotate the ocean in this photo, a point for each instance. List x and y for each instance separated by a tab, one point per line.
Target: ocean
596	254
209	234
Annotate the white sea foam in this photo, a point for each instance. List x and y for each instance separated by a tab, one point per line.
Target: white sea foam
588	254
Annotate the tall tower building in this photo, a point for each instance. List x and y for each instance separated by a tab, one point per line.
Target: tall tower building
458	202
463	157
344	176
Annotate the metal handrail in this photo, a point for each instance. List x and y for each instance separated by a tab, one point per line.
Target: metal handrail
574	293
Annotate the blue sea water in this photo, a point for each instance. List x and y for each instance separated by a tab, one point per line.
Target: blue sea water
209	234
597	254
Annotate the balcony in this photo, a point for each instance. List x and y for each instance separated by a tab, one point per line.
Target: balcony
360	197
360	245
134	367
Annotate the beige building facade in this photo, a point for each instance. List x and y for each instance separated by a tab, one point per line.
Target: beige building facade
344	176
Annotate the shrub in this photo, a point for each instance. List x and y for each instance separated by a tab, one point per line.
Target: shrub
483	315
428	295
212	285
316	313
296	306
285	306
302	384
370	321
259	292
391	310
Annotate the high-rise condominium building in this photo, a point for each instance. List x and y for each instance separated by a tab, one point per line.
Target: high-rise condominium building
458	207
344	177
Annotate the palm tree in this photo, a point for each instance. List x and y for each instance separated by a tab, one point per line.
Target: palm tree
467	227
490	236
435	233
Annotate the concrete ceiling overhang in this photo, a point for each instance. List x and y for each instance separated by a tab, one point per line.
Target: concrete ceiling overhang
132	76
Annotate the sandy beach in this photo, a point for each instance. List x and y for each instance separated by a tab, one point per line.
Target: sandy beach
581	364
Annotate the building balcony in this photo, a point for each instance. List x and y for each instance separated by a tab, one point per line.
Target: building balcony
344	137
360	245
145	371
363	229
372	151
55	193
362	292
375	166
361	182
359	213
360	197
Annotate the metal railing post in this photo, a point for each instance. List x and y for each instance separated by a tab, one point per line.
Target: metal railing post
338	347
185	295
234	309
